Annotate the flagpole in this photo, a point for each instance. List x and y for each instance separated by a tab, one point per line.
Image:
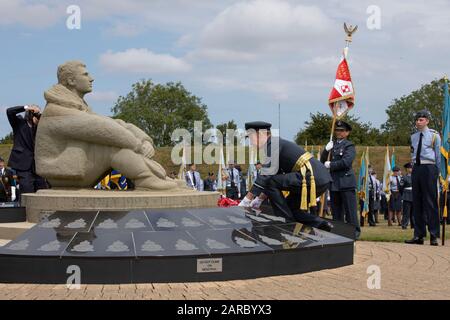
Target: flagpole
444	212
322	198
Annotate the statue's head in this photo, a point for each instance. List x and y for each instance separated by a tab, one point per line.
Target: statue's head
74	76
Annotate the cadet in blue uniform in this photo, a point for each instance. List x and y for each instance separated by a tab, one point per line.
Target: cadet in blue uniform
407	197
425	154
395	201
287	167
343	187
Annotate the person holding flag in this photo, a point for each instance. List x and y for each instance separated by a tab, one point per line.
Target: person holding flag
338	156
426	157
343	186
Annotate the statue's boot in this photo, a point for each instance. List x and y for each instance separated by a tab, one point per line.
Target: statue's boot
180	183
155	183
155	168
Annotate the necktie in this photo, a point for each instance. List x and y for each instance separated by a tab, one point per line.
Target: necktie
419	149
232	177
193	179
398	183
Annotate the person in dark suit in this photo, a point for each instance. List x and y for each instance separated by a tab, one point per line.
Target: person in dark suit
286	168
210	183
6	182
343	186
22	153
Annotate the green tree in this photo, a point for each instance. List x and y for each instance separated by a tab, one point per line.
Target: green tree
160	109
223	127
317	131
8	139
400	123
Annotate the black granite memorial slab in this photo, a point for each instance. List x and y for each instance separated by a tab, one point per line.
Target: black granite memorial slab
263	219
174	220
101	244
166	244
110	221
39	242
67	221
318	236
221	218
228	241
12	212
194	245
279	239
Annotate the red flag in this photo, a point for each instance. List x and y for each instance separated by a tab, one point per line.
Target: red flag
342	96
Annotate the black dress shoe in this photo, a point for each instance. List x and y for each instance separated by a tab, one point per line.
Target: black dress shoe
433	241
414	241
326	226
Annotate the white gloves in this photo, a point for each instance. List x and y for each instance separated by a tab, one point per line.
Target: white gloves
327	164
329	146
13	193
239	195
256	203
246	202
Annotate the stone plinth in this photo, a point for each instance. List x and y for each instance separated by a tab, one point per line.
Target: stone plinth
47	201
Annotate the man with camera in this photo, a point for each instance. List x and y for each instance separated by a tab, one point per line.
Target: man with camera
22	153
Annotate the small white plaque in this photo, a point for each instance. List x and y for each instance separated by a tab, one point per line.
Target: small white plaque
209	265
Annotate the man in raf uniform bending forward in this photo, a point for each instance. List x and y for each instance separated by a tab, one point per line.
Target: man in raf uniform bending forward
343	187
287	167
425	154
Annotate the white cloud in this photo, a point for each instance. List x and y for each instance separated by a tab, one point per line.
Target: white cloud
142	61
262	26
29	14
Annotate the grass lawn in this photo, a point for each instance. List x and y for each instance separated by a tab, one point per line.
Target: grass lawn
391	234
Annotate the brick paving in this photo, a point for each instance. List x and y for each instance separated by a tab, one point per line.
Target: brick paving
407	272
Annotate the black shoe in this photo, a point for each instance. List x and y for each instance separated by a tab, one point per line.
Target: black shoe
372	225
433	241
414	241
326	226
404	228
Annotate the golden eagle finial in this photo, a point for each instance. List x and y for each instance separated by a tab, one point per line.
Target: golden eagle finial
349	30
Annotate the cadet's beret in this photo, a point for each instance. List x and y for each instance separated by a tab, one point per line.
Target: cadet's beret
258	125
396	169
408	165
343	125
423	114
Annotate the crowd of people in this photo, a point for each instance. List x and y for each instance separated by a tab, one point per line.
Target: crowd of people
411	199
395	204
235	181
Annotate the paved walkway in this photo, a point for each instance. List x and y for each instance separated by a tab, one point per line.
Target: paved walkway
407	272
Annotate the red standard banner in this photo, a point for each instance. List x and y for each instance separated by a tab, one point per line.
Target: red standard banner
342	96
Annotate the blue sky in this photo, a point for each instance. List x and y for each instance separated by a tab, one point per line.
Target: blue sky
241	57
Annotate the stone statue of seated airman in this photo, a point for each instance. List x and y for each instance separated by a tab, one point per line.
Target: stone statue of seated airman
75	147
